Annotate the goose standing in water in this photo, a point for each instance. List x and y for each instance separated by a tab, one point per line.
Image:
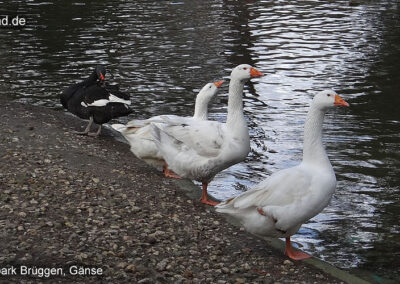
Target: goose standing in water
96	101
279	205
138	132
199	150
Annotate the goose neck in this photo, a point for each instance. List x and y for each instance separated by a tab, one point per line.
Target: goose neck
313	149
235	104
200	109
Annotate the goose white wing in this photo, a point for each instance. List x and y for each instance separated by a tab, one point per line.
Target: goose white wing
280	189
138	123
204	138
286	196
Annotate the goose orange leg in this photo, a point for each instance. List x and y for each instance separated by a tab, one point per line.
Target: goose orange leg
168	173
295	255
204	196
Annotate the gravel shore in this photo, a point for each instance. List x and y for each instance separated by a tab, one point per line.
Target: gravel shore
69	200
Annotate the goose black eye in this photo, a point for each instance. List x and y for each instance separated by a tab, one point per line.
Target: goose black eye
328	95
245	68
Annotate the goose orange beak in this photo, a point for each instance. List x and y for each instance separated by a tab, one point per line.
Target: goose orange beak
102	77
255	73
340	102
218	83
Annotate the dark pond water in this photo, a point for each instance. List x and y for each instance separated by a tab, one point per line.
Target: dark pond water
162	52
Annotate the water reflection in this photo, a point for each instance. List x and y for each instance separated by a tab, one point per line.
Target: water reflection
162	52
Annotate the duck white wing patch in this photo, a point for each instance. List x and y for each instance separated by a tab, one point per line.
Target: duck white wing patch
115	99
99	103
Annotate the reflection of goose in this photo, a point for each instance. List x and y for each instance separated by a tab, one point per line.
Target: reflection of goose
279	205
200	149
138	132
93	100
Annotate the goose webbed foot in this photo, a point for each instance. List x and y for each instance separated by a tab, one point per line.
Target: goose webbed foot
295	255
209	202
168	173
204	196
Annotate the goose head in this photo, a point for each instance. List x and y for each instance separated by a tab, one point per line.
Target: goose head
209	91
100	72
327	99
244	72
206	94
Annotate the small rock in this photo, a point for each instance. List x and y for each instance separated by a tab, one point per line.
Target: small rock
188	274
161	265
130	268
246	266
287	262
239	281
82	256
246	250
135	209
151	239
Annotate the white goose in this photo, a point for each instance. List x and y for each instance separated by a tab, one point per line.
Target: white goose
279	205
138	132
198	150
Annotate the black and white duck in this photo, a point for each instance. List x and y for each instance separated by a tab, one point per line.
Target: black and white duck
95	100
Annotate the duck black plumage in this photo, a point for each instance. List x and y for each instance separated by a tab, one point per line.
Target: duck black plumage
95	100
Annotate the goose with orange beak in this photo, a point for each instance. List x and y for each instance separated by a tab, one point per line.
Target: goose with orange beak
138	132
198	150
279	205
